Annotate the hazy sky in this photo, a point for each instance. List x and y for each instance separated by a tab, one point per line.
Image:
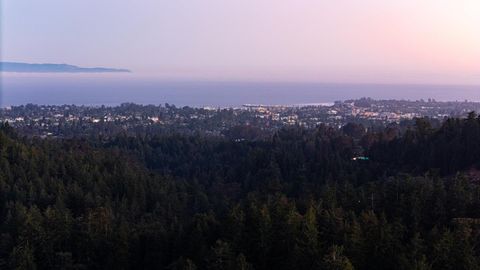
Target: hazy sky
407	41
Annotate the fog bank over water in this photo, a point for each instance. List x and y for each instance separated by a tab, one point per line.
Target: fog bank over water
113	90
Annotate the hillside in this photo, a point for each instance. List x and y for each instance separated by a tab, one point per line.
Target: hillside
296	200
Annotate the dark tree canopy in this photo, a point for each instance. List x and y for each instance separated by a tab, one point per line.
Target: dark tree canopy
294	200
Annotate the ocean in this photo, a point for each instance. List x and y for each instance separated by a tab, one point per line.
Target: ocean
114	90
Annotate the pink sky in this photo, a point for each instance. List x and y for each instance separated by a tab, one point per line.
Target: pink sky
384	41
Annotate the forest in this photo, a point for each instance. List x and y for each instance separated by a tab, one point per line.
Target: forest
292	200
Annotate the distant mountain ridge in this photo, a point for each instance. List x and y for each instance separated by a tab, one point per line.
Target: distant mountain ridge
53	68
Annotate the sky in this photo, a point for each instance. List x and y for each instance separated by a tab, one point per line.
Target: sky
372	41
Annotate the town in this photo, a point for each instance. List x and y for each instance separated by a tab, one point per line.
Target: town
73	120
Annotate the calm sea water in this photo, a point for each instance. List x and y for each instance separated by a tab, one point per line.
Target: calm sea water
16	90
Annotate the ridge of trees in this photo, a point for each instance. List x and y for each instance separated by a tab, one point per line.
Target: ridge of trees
294	201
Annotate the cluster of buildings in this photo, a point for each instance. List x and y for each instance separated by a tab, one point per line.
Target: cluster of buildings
363	110
51	120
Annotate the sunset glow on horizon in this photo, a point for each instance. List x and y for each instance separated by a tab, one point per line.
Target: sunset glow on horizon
375	41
